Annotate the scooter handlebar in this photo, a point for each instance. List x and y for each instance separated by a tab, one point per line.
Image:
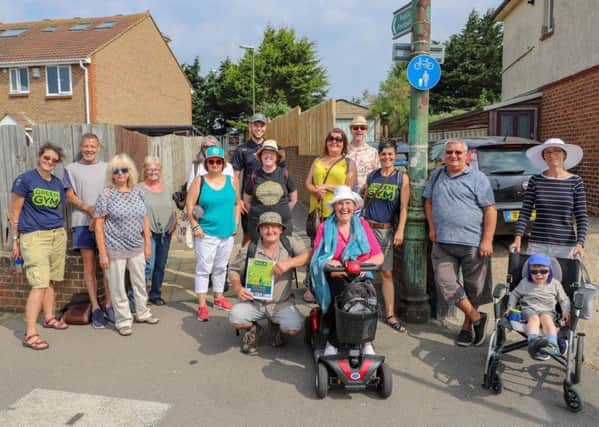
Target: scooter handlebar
343	268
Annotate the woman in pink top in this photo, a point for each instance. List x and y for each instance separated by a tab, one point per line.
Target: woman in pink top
346	237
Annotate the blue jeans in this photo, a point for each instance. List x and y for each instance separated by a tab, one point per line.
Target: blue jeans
156	264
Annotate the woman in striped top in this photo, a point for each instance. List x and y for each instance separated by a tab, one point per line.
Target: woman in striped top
558	197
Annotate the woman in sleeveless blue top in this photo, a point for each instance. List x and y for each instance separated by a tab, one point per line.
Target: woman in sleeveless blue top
213	228
387	195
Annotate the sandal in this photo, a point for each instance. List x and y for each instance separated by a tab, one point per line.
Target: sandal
54	323
397	325
34	342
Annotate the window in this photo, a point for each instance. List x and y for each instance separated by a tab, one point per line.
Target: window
50	29
80	27
58	80
516	123
106	24
19	80
548	23
13	32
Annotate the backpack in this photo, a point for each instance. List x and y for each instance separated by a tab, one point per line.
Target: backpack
251	253
180	197
359	297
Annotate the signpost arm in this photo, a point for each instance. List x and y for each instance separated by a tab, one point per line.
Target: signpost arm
414	301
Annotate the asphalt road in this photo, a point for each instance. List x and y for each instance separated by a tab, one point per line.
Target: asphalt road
182	372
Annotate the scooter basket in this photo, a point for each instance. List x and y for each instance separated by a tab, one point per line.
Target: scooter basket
355	328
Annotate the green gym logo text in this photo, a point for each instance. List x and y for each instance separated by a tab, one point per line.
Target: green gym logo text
47	198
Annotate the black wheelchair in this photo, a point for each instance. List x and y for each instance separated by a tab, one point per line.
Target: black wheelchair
570	272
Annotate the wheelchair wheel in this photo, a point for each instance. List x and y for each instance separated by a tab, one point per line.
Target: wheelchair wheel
572	398
497	383
321	381
385	385
577	374
308	331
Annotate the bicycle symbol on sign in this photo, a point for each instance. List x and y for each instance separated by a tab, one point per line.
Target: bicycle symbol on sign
425	63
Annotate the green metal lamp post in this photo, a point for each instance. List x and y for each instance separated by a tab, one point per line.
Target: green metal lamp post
414	301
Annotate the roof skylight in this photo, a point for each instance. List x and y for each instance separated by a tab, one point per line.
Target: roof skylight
80	27
106	24
13	32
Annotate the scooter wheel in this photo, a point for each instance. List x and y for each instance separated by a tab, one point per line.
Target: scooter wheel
385	385
321	381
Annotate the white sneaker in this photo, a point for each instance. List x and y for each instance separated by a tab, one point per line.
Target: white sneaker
368	349
330	350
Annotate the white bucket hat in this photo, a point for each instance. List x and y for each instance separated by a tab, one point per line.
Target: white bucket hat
343	192
573	153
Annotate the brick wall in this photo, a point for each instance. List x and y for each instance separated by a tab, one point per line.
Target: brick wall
298	168
42	109
570	111
14	288
138	81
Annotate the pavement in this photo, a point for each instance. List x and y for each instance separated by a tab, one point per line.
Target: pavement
182	372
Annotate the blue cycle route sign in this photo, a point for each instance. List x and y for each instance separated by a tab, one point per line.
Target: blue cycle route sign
424	72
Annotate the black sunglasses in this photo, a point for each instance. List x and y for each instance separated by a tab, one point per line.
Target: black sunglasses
540	271
335	138
120	170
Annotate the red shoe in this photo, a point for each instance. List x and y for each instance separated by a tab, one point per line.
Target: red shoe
203	313
223	304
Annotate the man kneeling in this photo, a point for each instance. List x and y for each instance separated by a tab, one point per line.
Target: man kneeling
287	253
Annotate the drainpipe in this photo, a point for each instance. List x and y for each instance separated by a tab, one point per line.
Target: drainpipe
86	72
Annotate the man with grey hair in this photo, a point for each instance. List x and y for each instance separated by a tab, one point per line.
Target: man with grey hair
197	167
83	181
461	215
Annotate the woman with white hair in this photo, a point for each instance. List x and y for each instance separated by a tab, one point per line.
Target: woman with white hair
558	197
124	242
341	237
163	220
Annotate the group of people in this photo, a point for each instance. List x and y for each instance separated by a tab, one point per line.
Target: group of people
118	221
358	195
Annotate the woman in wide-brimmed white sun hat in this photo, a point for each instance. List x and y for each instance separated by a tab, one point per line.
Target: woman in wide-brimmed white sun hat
557	196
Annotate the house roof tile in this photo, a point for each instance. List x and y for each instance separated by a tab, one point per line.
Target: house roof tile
38	45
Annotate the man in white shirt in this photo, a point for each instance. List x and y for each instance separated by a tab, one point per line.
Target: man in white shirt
365	156
197	167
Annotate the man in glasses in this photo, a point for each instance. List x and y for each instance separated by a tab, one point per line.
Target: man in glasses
83	181
364	156
461	215
244	159
197	167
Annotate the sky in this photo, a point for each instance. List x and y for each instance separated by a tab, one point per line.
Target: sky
353	37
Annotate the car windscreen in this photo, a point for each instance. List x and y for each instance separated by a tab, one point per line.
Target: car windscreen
504	161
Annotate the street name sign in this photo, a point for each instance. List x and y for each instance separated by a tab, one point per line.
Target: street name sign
402	21
424	72
402	52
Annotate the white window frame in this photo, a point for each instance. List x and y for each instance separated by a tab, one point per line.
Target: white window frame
19	84
61	92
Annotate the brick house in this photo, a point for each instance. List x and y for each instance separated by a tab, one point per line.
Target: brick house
549	82
117	69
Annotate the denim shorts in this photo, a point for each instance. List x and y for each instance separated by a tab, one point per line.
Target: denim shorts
83	238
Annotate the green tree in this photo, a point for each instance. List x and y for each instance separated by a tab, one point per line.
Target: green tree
288	73
393	100
471	75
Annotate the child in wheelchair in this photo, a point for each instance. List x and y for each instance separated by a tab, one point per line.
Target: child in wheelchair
538	294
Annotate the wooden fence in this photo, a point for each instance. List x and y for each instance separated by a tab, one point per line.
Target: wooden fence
18	153
305	130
